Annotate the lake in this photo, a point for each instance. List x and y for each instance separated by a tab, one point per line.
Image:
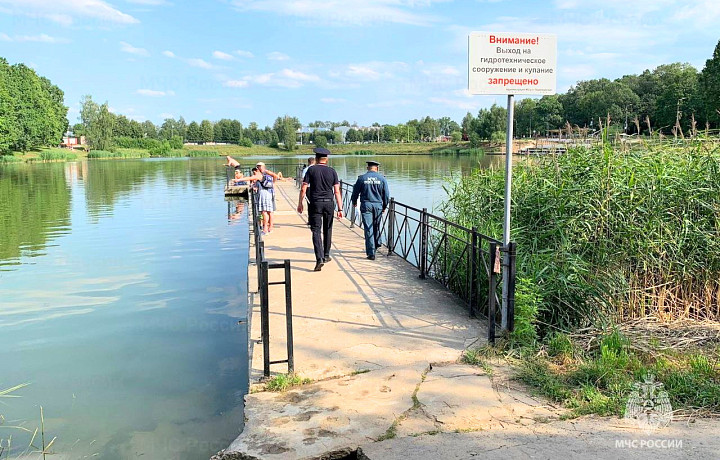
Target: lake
123	299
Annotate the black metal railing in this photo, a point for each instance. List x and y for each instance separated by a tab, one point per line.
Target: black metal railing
264	283
462	259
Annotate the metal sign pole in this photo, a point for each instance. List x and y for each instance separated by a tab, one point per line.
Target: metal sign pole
508	199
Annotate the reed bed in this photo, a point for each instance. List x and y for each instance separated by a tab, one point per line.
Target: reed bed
606	234
57	155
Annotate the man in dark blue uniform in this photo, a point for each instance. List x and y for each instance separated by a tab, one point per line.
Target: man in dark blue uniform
374	193
324	188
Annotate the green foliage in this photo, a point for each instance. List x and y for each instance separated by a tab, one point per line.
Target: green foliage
10	159
57	155
283	382
710	87
527	303
207	131
245	142
32	113
321	141
456	136
98	124
119	154
161	149
603	232
176	142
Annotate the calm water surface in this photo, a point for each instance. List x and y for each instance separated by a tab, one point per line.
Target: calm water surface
121	287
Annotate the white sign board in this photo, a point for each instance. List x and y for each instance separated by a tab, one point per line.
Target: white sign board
512	63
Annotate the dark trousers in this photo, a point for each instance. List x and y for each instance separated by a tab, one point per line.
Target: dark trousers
320	215
371	218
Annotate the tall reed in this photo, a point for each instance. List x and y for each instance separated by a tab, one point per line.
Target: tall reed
609	234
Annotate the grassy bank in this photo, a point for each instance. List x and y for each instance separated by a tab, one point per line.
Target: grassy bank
423	148
193	151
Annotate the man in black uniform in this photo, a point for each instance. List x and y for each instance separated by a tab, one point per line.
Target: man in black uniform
324	185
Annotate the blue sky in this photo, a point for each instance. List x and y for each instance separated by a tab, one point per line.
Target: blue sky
359	60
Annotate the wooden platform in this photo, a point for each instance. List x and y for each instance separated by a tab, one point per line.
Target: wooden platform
236	190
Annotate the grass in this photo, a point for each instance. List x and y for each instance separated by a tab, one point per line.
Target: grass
599	381
283	382
5	159
57	155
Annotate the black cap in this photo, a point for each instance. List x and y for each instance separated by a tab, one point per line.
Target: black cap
372	163
321	152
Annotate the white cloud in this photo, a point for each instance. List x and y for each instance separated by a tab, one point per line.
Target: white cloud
332	100
389	103
197	62
154	93
300	76
67	11
374	70
286	78
149	2
363	72
165	115
128	48
277	56
169	54
236	83
42	38
222	56
344	12
245	54
455	103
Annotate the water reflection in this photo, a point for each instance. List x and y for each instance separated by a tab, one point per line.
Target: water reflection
34	210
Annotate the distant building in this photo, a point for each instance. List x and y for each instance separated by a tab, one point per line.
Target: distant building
71	141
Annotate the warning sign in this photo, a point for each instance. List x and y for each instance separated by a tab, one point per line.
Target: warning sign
512	63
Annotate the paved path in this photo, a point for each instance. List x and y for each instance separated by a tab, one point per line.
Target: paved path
415	400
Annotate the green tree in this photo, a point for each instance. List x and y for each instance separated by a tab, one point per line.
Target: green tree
526	117
710	84
149	130
677	94
320	141
207	131
290	126
98	124
193	132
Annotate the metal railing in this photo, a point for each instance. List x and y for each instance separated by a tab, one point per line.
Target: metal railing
462	259
264	283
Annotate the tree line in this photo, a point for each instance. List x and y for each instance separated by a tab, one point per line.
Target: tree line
32	113
672	99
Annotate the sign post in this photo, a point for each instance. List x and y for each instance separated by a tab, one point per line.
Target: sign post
511	63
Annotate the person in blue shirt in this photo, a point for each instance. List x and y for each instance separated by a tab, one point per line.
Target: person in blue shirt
374	193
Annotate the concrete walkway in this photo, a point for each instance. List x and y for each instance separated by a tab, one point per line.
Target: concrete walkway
383	350
355	314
